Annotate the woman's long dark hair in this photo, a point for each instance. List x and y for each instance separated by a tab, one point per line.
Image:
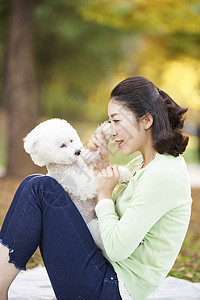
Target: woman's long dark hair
141	96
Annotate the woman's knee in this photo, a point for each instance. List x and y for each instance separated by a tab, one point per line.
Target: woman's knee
27	179
48	190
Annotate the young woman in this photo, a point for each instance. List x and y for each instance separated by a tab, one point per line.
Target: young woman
142	224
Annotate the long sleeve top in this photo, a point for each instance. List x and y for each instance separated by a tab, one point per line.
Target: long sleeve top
143	228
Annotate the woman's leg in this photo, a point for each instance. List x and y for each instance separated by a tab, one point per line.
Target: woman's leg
8	270
43	214
8	273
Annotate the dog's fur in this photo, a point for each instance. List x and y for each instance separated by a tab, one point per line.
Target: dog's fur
55	144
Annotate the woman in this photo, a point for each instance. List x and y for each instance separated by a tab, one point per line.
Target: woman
142	225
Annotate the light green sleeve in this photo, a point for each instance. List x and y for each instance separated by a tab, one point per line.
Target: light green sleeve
152	198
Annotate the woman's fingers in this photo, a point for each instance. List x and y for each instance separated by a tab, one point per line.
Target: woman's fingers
99	142
104	172
116	170
111	171
107	179
93	143
104	150
102	138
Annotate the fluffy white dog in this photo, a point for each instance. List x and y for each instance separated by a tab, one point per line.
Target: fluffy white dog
55	144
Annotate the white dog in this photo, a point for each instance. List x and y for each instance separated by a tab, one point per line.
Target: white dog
55	144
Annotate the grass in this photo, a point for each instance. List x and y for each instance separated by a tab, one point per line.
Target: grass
187	265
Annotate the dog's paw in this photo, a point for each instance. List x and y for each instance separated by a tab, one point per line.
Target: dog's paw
89	156
125	174
107	131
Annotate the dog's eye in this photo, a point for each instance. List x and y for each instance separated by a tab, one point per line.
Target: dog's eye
71	141
63	145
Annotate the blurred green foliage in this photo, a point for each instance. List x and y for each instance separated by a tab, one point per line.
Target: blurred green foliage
83	48
72	57
147	17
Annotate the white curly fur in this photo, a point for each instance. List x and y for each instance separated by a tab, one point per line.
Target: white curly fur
55	144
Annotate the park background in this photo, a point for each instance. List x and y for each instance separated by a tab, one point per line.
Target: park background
62	59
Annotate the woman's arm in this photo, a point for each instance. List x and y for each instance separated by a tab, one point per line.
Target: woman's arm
151	200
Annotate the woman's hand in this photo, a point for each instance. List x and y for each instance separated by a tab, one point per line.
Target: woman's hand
107	179
100	142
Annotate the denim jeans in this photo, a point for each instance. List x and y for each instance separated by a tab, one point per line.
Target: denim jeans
42	214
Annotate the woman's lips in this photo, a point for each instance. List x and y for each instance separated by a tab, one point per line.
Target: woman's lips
120	142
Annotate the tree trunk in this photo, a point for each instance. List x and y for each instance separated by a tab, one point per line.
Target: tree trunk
20	86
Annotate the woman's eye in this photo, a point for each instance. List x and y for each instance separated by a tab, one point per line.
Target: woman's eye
115	121
63	145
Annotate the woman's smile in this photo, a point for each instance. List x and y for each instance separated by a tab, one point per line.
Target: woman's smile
120	143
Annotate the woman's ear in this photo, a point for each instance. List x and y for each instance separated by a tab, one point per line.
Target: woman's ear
147	121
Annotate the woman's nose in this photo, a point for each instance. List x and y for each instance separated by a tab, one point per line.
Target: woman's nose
114	132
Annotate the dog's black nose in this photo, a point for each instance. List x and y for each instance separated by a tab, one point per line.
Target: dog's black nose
77	152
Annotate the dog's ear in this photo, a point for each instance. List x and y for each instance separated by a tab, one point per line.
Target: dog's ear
30	144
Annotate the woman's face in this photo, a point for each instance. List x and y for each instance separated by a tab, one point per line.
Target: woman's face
130	134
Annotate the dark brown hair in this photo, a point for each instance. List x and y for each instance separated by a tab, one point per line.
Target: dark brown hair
141	96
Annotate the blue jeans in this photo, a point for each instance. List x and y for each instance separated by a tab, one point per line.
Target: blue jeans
42	214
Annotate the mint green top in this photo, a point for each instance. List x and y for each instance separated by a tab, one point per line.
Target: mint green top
143	231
